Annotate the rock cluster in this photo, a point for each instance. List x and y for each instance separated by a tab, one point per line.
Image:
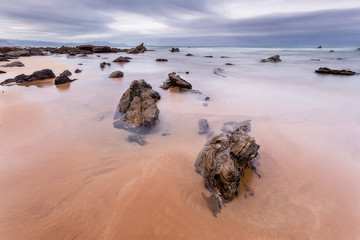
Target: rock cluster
175	81
138	105
38	75
275	58
325	70
224	159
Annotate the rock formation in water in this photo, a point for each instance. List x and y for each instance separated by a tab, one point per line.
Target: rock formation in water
66	73
325	70
137	49
122	59
116	74
138	105
38	75
175	50
78	71
175	81
61	79
103	64
224	159
275	58
14	64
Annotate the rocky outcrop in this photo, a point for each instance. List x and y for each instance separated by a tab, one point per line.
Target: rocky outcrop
175	81
63	79
175	50
275	58
138	105
223	160
116	74
38	75
138	49
14	64
122	59
66	73
161	60
325	70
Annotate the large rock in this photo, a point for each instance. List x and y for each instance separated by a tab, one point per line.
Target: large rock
116	74
14	64
275	58
175	81
122	59
223	160
325	70
38	75
137	49
138	104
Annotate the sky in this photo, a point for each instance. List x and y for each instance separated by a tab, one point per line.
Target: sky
185	22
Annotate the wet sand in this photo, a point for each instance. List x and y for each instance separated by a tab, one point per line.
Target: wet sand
67	173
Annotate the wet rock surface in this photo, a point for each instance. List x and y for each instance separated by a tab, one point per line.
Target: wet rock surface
66	73
38	75
138	49
275	58
116	74
138	105
325	70
175	81
62	79
223	160
122	59
14	64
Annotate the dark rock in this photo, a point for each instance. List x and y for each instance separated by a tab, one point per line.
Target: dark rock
175	50
275	58
177	81
325	70
315	59
102	49
14	64
161	60
38	75
122	59
207	98
137	138
86	47
83	55
19	53
63	79
3	59
358	49
208	56
103	64
224	57
137	49
331	51
138	103
116	74
187	72
214	203
223	161
66	73
319	47
80	64
203	126
229	64
189	55
2	71
78	71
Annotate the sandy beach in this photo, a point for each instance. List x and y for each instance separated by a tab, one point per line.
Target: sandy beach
67	173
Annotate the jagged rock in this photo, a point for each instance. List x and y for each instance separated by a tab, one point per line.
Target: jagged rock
2	71
137	49
223	160
208	56
116	74
122	59
138	103
78	71
161	60
103	64
203	126
66	73
63	79
14	64
189	55
275	58
325	70
38	75
175	50
175	81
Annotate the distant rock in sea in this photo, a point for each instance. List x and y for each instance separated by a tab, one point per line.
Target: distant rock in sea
161	60
138	49
325	70
175	50
275	58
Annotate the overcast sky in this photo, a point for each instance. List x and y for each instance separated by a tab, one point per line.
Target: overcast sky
184	22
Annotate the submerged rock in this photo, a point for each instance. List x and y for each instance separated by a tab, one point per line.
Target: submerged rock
138	49
319	46
63	79
122	59
175	50
38	75
103	64
203	126
219	71
223	160
175	81
138	104
14	64
275	58
116	74
137	138
325	70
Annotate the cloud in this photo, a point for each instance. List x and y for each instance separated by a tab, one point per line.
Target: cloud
175	21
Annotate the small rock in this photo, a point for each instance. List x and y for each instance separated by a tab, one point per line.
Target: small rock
116	74
63	79
103	64
207	98
78	71
175	81
138	49
175	50
80	64
2	72
187	72
224	57
229	64
189	55
14	64
122	59
66	73
219	71
275	58
161	60
208	56
203	126
319	46
331	51
325	70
